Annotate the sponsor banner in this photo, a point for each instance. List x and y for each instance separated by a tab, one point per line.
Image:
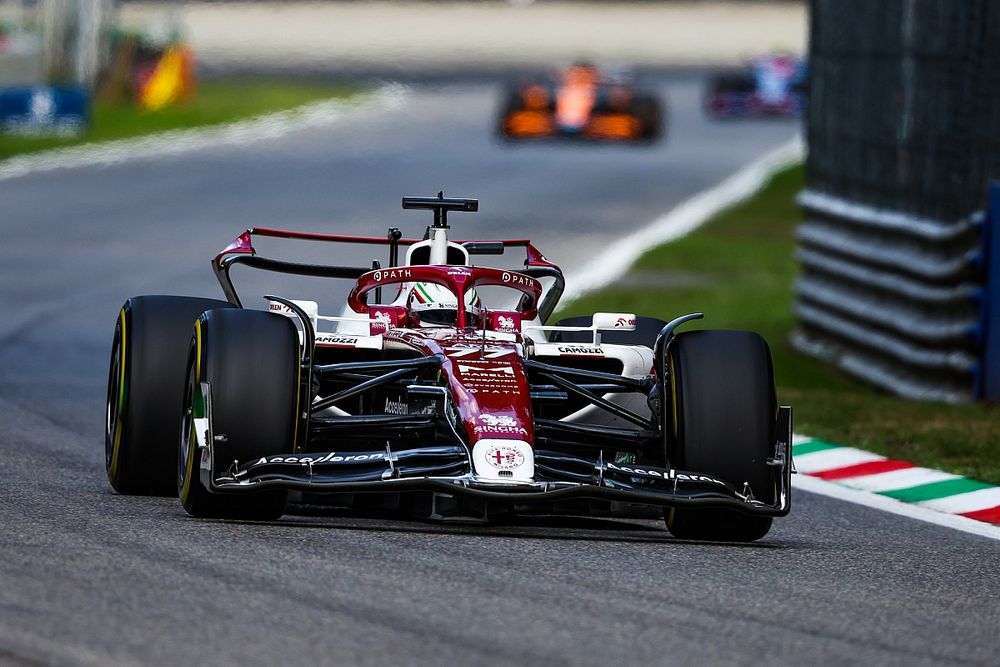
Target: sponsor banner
311	309
663	473
505	321
622	321
335	340
402	407
511	278
490	377
488	424
44	110
580	351
384	318
339	340
392	275
321	458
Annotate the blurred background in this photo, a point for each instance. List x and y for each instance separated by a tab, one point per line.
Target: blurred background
77	40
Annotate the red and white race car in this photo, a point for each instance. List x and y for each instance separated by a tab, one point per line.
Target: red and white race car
420	396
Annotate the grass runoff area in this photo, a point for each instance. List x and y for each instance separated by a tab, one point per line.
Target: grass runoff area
213	102
738	270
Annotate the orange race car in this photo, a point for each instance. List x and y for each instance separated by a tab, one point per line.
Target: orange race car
584	103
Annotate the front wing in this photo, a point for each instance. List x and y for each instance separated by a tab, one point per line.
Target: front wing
448	469
748	104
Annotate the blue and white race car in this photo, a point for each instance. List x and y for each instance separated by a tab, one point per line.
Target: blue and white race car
770	85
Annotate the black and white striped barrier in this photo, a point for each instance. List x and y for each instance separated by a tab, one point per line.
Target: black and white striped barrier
908	304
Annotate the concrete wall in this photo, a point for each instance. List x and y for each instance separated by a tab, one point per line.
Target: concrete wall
464	35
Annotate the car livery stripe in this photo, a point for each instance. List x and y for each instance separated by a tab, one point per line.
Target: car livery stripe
863	469
197	350
837	457
422	295
936	490
898	480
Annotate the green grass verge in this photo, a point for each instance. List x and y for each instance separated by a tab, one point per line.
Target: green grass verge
214	102
738	269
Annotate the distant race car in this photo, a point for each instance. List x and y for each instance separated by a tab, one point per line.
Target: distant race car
581	102
420	398
771	85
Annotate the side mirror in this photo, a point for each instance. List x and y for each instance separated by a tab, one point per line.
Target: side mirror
616	321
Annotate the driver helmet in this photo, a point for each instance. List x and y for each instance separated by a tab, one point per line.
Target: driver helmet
434	305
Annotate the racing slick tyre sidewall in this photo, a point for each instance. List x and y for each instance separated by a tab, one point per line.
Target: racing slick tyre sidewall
250	359
651	117
722	384
145	387
512	102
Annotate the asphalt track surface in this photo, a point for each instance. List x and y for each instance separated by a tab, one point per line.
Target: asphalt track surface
88	577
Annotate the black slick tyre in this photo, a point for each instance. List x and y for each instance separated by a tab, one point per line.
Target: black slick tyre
250	360
652	119
722	388
145	387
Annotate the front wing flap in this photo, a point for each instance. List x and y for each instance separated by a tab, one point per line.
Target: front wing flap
448	469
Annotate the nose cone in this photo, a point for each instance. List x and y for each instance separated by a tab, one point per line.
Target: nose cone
503	460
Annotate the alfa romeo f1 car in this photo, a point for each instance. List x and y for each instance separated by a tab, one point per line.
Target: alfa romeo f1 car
420	397
771	85
582	103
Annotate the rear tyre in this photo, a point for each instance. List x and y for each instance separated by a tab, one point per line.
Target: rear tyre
512	102
721	89
722	385
250	359
652	119
145	387
734	82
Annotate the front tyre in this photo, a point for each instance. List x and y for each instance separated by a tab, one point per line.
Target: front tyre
250	360
145	386
722	387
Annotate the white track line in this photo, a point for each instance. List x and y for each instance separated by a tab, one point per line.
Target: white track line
681	220
893	506
176	142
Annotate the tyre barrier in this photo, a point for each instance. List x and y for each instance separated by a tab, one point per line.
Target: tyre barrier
905	303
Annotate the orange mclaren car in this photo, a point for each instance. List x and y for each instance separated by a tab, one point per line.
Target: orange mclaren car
581	102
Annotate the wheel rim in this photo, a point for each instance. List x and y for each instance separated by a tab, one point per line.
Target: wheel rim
116	395
187	430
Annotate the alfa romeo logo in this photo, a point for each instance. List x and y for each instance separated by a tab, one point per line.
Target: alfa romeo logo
504	457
